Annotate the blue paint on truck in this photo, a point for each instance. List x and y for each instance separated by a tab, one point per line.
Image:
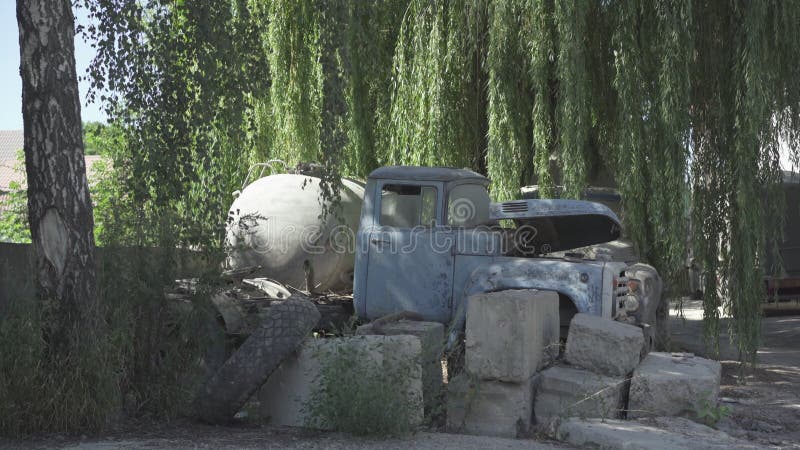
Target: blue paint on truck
429	238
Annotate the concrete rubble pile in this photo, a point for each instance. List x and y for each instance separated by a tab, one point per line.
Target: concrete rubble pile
651	433
414	346
510	335
283	398
678	384
599	356
603	379
514	376
605	374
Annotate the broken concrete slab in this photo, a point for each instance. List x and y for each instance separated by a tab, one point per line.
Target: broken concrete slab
489	408
603	346
285	395
659	433
431	336
511	334
568	391
667	384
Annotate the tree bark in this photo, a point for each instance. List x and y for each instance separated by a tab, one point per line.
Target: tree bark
60	210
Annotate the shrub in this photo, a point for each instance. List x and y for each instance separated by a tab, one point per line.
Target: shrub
160	337
146	360
45	391
356	394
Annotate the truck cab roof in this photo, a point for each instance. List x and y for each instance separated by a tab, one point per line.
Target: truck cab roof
416	173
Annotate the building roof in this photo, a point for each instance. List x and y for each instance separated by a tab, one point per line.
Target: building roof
13	170
11	141
10	171
425	173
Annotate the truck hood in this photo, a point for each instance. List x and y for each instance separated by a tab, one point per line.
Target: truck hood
558	225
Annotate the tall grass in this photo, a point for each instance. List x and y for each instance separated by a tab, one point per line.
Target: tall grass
45	391
147	360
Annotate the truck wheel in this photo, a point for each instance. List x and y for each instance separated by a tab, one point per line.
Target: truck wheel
280	334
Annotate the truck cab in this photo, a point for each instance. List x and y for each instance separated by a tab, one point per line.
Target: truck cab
429	238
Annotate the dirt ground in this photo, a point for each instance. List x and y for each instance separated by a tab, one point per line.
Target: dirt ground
764	404
191	435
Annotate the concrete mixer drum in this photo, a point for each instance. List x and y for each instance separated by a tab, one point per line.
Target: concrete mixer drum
282	223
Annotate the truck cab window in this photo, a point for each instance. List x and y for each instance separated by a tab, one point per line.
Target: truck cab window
468	206
408	206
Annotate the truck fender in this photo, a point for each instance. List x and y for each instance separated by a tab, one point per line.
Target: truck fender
559	276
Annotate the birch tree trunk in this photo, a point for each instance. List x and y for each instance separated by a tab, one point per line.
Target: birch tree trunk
59	207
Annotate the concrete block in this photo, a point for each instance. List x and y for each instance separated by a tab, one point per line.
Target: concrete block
673	385
603	346
661	433
489	408
282	399
511	334
568	391
431	336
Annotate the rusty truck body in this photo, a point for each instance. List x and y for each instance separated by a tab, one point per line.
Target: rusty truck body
429	238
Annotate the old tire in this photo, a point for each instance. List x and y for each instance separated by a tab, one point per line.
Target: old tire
280	334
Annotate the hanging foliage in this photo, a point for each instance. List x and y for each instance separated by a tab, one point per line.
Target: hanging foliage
653	128
176	77
573	93
433	98
296	77
509	101
668	142
681	104
370	41
542	38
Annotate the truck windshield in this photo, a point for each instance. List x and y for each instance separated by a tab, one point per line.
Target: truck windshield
468	206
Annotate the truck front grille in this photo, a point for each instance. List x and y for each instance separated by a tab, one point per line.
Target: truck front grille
622	286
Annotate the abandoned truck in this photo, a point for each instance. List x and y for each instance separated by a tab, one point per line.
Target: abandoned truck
428	237
424	239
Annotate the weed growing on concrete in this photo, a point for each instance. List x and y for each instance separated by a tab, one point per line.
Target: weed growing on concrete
357	393
345	329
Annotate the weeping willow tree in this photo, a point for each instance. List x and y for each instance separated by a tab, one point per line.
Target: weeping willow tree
542	51
435	97
744	97
370	40
651	148
678	103
509	100
296	79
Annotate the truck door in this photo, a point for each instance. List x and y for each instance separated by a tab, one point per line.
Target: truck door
410	264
